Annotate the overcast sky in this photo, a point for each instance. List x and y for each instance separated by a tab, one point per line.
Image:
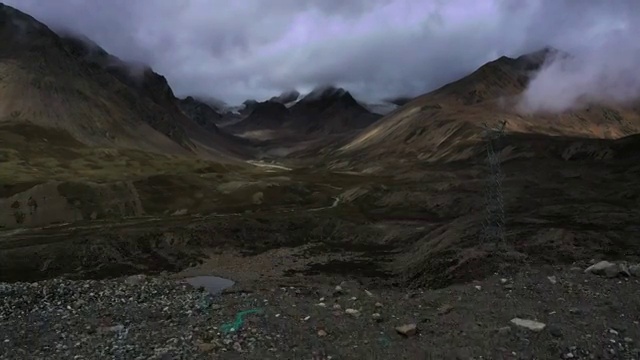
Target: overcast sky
234	50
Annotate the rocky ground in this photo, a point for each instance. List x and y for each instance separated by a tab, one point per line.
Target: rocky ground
534	313
527	298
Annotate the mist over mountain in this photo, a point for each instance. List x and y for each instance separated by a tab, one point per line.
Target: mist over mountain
286	97
376	49
290	146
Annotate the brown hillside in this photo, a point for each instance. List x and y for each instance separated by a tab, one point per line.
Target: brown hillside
48	81
441	124
198	125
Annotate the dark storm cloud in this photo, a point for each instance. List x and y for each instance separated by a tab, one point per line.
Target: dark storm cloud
235	50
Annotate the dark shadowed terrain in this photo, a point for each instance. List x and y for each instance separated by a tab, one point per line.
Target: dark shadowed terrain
337	224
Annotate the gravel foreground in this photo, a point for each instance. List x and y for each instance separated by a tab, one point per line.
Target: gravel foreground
563	313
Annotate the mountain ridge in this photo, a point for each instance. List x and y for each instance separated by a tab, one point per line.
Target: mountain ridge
325	110
436	125
68	85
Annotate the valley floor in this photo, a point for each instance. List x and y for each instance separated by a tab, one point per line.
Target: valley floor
138	317
66	294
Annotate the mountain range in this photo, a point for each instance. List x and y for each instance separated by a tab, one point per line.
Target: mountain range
71	84
105	172
326	110
64	86
442	124
66	81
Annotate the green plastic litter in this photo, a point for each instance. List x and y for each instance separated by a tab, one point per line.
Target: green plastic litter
385	341
239	321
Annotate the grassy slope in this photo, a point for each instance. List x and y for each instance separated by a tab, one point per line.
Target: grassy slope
32	153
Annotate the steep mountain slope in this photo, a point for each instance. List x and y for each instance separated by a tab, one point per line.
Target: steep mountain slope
445	124
266	115
286	97
203	114
151	85
209	119
324	111
73	85
330	110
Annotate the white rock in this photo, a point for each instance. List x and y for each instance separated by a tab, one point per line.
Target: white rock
352	312
529	324
552	279
135	279
407	330
377	317
600	268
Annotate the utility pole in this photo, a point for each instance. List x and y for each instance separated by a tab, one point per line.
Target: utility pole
494	222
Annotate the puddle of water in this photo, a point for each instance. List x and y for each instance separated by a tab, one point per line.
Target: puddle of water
212	284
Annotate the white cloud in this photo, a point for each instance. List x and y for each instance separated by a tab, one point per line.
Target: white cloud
235	50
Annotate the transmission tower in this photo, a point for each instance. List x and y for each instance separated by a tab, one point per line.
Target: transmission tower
494	222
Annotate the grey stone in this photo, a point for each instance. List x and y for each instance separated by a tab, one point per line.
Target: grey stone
601	268
529	324
407	330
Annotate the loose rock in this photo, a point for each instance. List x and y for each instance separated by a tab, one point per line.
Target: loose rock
206	347
376	317
555	331
623	268
529	324
445	309
352	312
601	268
407	330
135	279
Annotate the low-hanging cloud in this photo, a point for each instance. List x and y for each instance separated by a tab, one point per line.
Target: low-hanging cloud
234	50
602	69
